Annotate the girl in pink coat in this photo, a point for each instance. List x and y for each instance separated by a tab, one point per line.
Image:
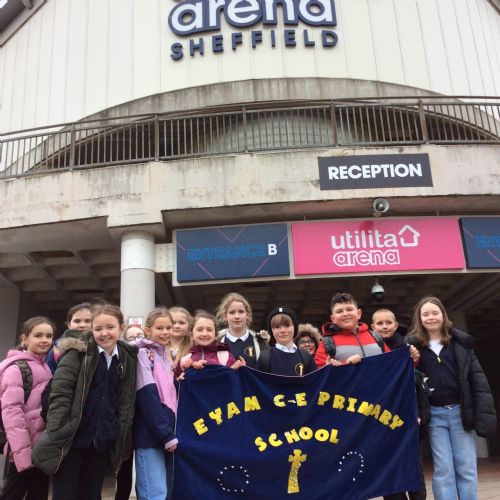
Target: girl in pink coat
21	417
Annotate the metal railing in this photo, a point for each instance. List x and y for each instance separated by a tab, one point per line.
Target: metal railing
250	128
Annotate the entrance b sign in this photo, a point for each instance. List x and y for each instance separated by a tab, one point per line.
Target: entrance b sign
358	246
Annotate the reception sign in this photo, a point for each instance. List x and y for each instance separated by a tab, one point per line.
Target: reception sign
360	246
231	252
349	432
481	237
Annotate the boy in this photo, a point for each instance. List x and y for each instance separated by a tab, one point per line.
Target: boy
385	324
346	338
285	358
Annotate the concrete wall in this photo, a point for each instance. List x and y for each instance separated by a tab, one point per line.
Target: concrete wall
466	180
74	58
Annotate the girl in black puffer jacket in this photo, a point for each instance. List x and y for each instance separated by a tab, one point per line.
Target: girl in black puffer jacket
460	399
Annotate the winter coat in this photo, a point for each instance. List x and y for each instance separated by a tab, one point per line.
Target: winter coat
22	422
156	401
70	387
476	401
348	343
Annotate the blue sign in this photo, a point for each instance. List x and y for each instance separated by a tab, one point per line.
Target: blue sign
481	237
233	252
349	432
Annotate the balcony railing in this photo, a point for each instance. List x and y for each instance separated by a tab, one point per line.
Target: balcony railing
250	128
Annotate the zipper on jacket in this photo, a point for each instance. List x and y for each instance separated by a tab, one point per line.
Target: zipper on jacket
360	345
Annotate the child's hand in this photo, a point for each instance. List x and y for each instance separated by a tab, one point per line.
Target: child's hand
198	365
414	354
180	378
172	448
238	364
187	364
334	362
353	360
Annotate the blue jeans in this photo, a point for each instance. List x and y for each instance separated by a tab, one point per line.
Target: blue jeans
151	473
453	455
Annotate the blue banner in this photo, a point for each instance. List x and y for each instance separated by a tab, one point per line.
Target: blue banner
232	252
346	433
481	236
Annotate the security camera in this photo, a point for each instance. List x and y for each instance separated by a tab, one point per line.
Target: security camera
378	292
380	206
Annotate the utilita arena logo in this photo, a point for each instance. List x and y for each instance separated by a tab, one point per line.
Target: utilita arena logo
372	247
191	18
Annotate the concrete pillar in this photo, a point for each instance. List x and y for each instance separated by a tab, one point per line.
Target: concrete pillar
460	321
9	312
137	293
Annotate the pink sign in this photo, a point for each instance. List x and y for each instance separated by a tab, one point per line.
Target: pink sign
372	245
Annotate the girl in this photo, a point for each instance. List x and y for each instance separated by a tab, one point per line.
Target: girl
308	338
91	407
285	358
156	407
243	342
460	400
180	340
21	410
78	318
206	350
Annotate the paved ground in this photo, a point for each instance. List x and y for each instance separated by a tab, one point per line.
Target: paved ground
489	481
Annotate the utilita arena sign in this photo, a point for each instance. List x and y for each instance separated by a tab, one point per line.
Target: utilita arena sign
360	246
193	18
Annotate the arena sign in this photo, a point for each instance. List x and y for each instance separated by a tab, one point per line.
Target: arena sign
373	245
195	17
374	171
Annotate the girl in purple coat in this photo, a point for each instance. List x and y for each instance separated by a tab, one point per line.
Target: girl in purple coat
21	417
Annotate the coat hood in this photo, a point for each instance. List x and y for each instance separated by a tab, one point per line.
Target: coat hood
148	344
330	329
15	355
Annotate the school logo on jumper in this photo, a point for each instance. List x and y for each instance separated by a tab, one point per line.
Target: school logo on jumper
191	18
250	352
255	435
370	245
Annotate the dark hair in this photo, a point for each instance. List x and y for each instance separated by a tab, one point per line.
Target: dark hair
74	309
343	298
31	323
109	309
417	328
308	330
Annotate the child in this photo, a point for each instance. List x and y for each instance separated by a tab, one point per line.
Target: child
284	358
460	399
90	408
156	407
346	339
180	340
385	324
236	312
206	350
133	332
21	411
308	338
78	318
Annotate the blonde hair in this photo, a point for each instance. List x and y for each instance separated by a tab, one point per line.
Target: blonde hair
418	329
383	310
281	320
157	312
227	300
185	345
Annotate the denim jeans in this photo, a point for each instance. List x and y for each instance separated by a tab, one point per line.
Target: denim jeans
453	455
151	473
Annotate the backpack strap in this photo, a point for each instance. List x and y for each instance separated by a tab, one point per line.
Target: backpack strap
330	347
223	357
378	339
151	357
27	376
